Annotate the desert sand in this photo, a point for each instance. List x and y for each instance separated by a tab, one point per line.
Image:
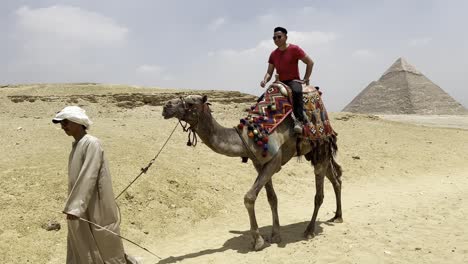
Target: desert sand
405	186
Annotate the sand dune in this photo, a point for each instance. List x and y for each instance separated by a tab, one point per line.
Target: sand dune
404	186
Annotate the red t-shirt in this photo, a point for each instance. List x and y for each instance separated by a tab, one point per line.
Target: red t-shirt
286	62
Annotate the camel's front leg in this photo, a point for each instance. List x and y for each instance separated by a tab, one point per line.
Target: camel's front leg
319	177
250	197
273	201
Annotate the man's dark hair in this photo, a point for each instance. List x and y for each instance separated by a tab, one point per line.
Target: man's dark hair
282	29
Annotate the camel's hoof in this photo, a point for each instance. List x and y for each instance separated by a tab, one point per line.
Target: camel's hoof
275	238
309	235
336	219
260	244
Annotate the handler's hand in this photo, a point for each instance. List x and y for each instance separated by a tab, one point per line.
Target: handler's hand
262	84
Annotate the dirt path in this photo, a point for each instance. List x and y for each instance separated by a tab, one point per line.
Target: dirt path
386	221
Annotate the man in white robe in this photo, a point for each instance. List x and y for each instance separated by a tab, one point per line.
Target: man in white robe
90	197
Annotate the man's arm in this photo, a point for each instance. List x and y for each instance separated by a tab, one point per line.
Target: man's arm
268	75
310	64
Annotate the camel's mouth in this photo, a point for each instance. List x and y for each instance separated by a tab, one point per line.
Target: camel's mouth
168	112
165	113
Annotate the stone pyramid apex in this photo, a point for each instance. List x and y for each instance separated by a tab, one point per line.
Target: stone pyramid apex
401	65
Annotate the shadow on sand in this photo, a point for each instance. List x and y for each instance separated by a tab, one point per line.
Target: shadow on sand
243	243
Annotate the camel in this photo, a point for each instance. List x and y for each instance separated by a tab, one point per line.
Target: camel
195	111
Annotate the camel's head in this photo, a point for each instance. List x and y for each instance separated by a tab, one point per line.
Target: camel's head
187	108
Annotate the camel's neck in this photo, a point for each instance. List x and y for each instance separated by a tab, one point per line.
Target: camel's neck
222	140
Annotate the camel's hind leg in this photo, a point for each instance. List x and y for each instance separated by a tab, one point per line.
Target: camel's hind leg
334	175
273	201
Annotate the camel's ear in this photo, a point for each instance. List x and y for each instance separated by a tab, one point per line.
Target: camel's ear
205	98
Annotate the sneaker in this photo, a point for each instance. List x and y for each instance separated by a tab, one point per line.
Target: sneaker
298	128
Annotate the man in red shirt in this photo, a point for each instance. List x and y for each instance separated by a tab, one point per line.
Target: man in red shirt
285	60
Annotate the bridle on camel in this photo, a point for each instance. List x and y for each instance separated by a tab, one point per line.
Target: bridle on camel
192	136
190	109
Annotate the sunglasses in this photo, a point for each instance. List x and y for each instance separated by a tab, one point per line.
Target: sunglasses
277	37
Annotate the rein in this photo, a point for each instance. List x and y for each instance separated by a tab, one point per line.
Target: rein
145	169
111	232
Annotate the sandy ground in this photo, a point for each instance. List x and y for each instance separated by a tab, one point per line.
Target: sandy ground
404	188
452	121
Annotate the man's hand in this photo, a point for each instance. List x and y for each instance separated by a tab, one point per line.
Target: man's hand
262	84
72	217
306	81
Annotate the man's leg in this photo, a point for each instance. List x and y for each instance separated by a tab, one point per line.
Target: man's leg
298	104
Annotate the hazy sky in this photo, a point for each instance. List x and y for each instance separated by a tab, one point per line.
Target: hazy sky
225	44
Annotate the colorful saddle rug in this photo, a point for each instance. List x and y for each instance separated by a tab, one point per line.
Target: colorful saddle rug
275	106
319	124
271	109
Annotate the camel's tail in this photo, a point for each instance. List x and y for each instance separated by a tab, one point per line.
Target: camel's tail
336	168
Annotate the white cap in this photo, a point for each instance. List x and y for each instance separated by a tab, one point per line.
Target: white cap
75	114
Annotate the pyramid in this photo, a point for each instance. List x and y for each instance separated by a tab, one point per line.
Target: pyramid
402	89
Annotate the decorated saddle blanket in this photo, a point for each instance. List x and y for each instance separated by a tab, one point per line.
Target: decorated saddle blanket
271	109
318	126
275	105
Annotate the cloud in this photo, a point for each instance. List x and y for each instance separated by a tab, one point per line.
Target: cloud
363	54
307	10
419	42
150	74
261	47
268	19
153	69
294	17
70	24
66	43
217	23
313	38
303	39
